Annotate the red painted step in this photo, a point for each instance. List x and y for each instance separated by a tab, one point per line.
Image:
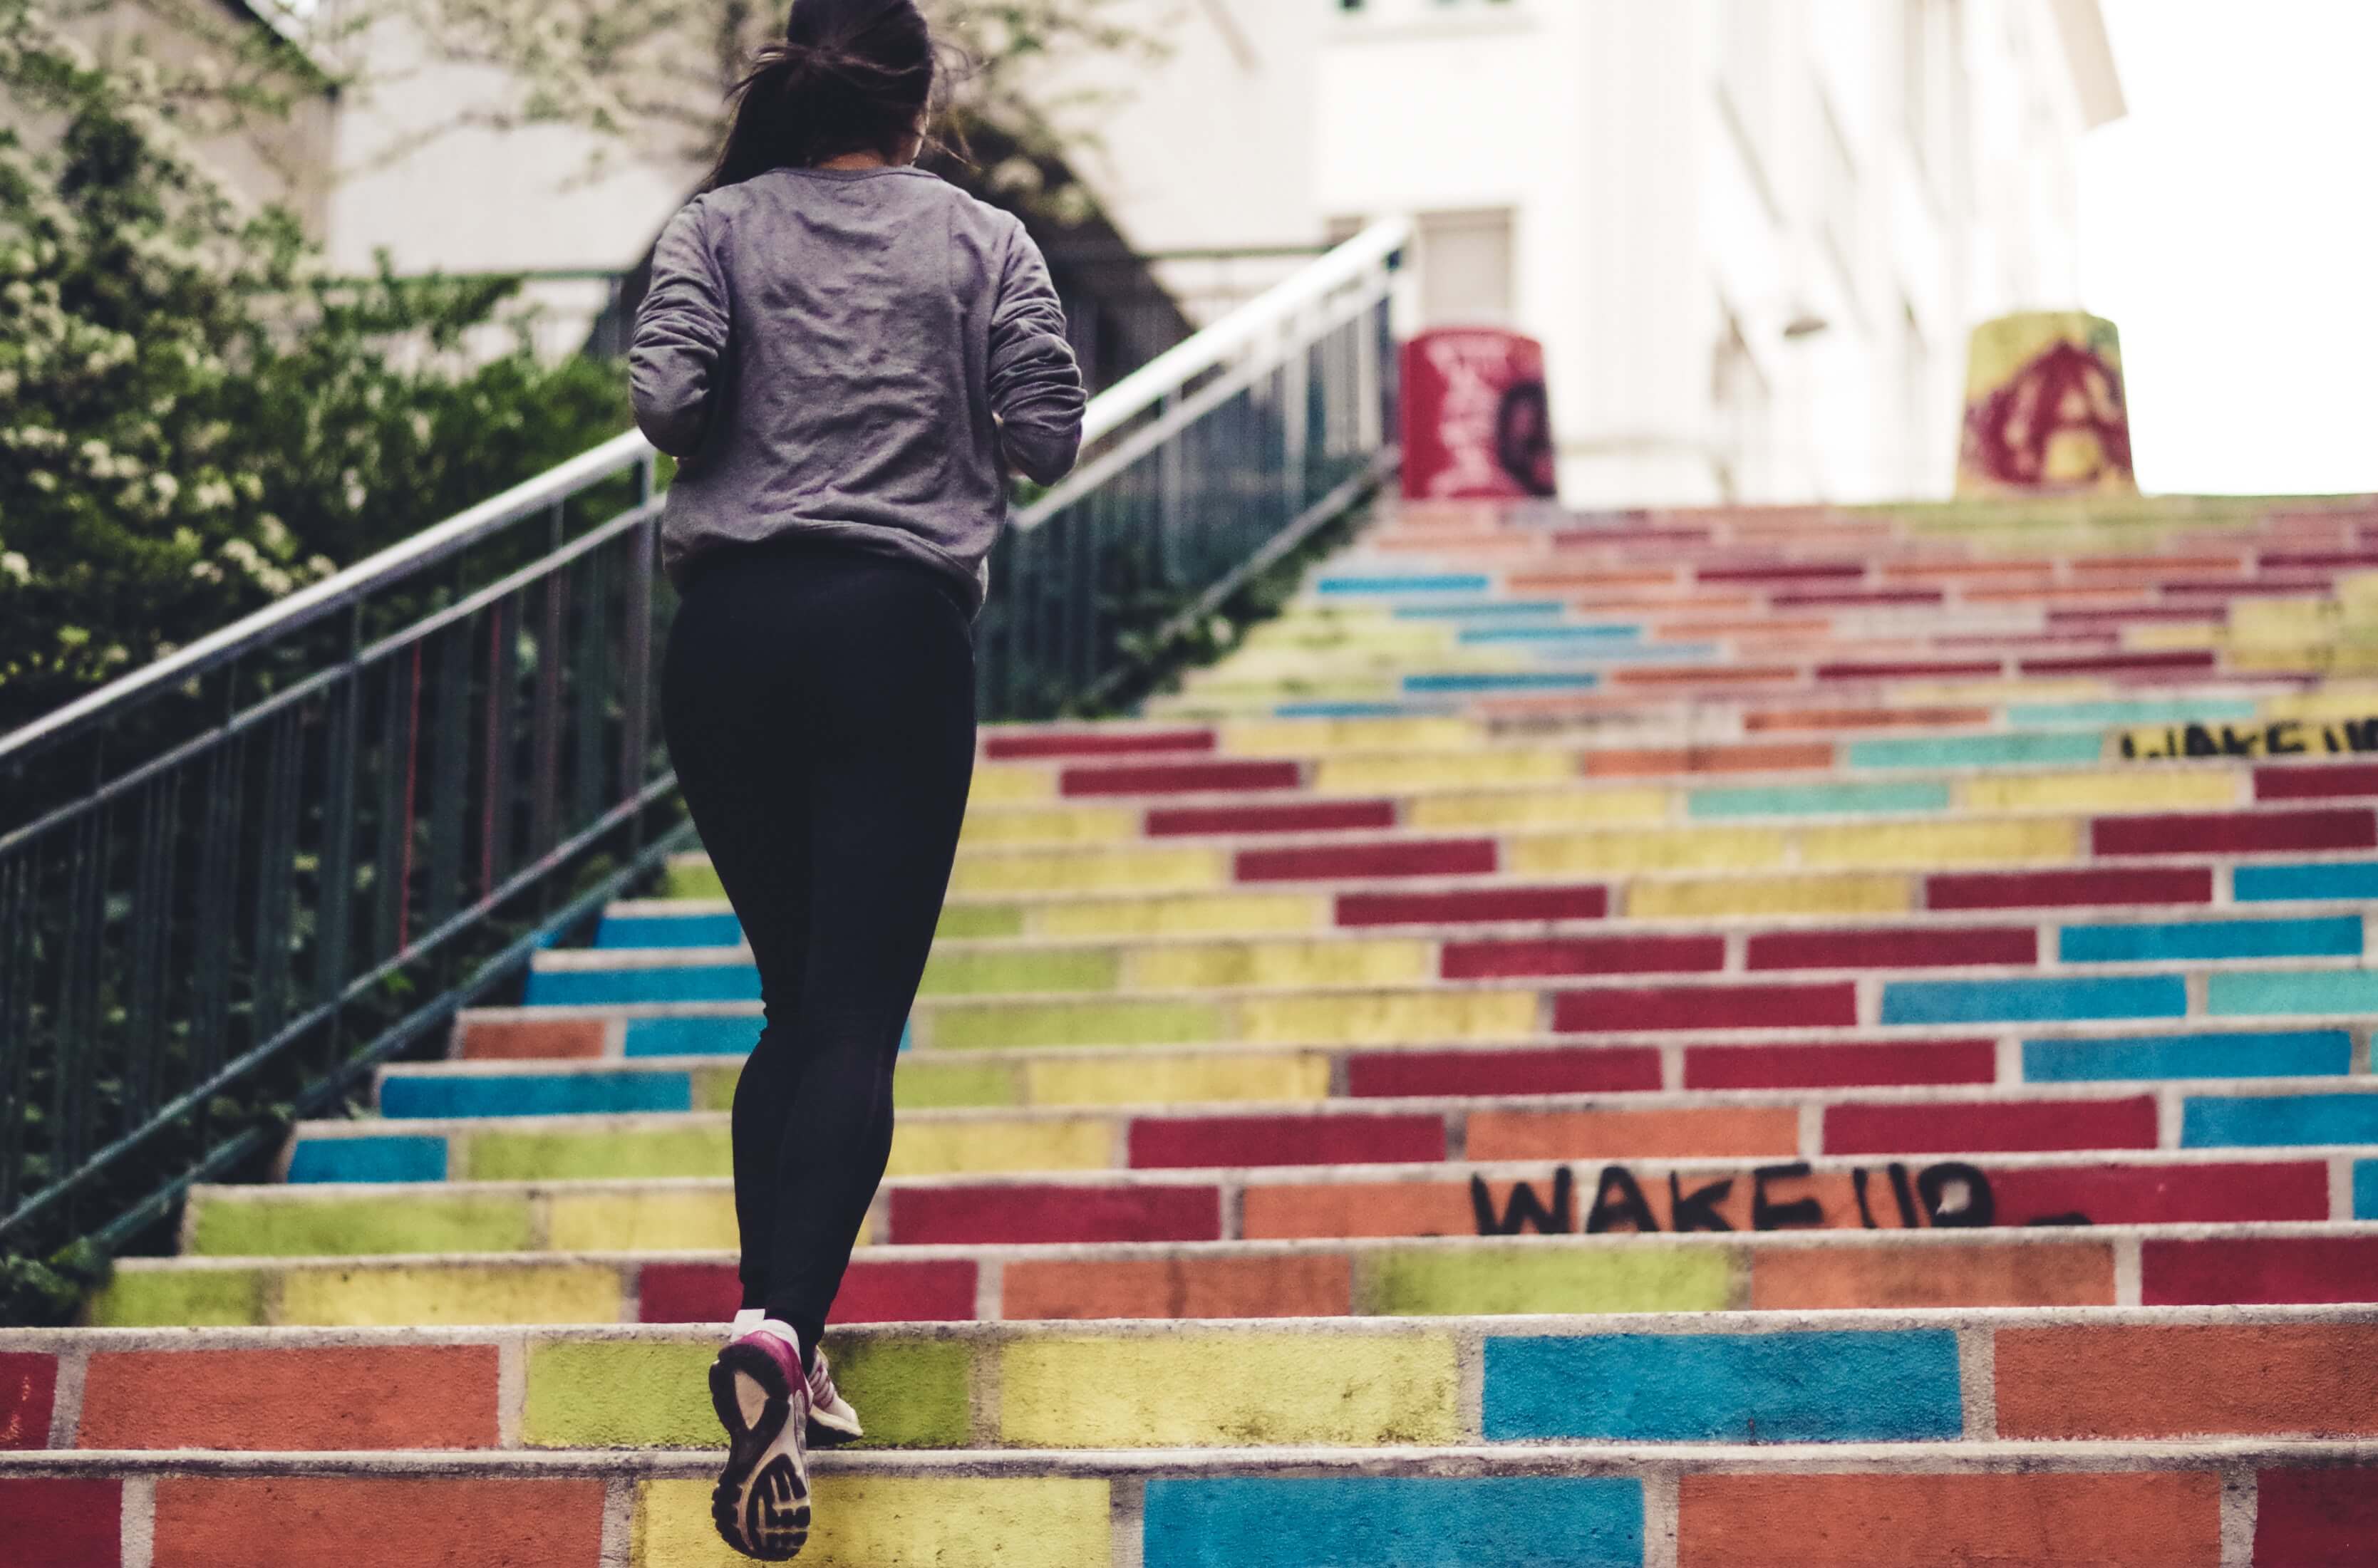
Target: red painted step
1995	1127
1181	778
2040	890
1582	956
2168	1194
2315	1519
1909	670
1846	598
1181	1143
62	1521
1093	743
1889	948
29	1385
1439	857
1784	571
1394	1074
1843	1066
1473	906
874	1291
1616	1009
2315	783
933	1216
2110	664
1298	817
2234	832
2250	1271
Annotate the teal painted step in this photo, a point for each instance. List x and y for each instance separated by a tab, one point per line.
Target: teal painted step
1394	1522
1382	583
2311	1053
2166	942
1818	799
2014	749
2028	999
2233	994
2119	712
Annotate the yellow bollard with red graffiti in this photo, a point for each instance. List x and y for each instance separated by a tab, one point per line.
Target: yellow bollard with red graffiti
2044	407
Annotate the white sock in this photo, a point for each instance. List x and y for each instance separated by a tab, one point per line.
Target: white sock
783	1331
745	1321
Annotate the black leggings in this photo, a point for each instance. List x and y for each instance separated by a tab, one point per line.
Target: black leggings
819	703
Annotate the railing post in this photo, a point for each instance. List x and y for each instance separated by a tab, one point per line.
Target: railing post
1295	391
635	697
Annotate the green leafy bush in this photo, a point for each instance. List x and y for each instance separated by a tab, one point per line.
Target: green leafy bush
194	419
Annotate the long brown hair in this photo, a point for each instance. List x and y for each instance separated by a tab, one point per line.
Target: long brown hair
851	76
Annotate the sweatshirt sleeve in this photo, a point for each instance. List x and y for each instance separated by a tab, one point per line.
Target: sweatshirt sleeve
680	337
1036	386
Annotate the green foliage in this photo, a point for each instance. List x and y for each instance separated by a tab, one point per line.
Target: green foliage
193	421
652	77
36	1293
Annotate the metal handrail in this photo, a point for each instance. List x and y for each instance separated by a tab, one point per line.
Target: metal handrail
1163	377
1368	252
315	601
393	783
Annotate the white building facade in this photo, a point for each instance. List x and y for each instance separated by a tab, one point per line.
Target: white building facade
1752	234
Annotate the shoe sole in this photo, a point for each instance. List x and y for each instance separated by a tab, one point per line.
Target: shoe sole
828	1430
762	1502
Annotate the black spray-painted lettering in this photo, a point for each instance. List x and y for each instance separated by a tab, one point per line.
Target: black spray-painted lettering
1946	1195
1767	1212
2283	737
1697	1210
1616	1197
1558	1218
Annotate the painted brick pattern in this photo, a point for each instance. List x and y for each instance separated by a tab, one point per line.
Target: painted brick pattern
1962	927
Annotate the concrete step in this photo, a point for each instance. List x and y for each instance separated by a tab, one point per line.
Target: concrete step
2124	1374
2187	875
1438	1011
1892	839
2045	1504
1699	1271
1418	954
1278	1203
2175	884
1812	1124
620	1078
1299	1202
1041	762
1281	817
1740	698
1316	1204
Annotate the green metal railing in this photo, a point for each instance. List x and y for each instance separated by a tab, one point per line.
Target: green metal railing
1198	472
234	883
332	812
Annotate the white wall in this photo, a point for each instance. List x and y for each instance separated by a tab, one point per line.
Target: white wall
1211	146
1645	232
472	199
1643	235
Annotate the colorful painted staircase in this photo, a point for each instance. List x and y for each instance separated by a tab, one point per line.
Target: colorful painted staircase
1770	1037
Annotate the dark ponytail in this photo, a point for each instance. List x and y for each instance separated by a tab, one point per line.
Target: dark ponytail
851	76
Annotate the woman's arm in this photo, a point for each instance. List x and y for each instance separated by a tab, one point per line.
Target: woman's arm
1036	386
679	338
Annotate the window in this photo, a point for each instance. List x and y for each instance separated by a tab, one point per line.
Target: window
1914	401
1923	80
1837	212
1740	397
1465	268
1745	97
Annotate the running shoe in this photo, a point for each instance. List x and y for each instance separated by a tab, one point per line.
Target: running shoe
762	1502
832	1421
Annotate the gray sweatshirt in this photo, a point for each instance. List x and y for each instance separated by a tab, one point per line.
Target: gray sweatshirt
857	355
